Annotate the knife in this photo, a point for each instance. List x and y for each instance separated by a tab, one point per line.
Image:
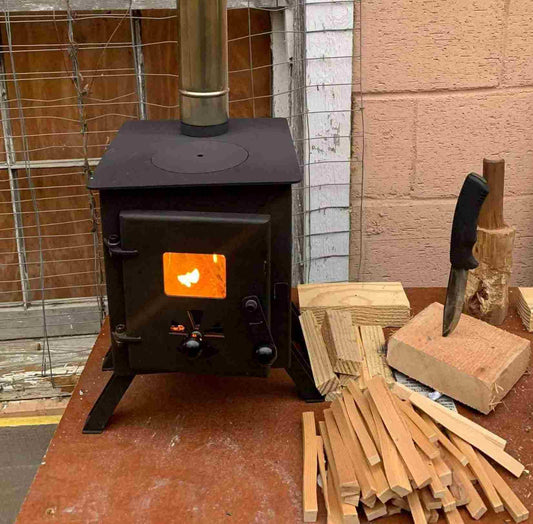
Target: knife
464	235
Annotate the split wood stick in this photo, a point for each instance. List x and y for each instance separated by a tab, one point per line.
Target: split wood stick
443	470
322	469
342	342
445	441
352	499
379	510
459	493
394	469
393	510
453	517
479	471
347	480
417	511
340	511
359	427
373	342
332	467
365	478
334	509
512	503
408	410
325	379
428	500
429	449
402	439
433	516
405	393
438	490
364	408
310	502
448	501
476	507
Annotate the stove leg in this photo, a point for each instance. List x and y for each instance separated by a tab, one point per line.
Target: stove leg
107	364
107	402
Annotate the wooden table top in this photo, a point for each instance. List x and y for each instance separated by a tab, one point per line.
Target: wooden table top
183	448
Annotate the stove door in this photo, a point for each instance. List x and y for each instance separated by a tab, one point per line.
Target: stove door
184	289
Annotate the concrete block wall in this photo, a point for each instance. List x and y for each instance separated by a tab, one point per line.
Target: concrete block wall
445	83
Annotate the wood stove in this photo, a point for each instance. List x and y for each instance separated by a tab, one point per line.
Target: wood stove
196	222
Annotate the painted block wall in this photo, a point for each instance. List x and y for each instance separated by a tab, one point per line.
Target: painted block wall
445	83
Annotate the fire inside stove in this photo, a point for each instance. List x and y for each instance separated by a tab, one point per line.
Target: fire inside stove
194	275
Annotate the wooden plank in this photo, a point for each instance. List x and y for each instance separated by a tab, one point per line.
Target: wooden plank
479	471
394	468
379	510
524	306
476	507
405	393
375	353
325	379
370	303
438	490
453	517
361	468
443	471
511	502
417	511
453	423
360	429
428	500
322	469
342	342
448	501
408	409
34	408
400	436
362	403
477	366
310	461
347	480
445	441
428	448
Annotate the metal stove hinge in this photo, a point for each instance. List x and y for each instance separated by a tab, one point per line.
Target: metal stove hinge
112	243
121	338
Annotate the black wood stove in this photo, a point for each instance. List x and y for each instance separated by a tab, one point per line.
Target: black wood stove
196	222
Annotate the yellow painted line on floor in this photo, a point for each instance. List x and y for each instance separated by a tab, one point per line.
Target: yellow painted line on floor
29	421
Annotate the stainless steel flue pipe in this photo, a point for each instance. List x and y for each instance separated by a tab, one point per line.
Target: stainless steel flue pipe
203	65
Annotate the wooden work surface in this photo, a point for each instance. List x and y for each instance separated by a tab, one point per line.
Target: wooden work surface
209	449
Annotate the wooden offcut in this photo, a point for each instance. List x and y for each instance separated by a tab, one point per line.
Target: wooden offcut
325	379
487	289
524	306
477	364
370	303
342	341
310	501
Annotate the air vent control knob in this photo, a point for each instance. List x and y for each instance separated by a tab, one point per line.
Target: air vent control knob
193	345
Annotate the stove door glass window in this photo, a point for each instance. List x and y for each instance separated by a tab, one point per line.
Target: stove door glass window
194	275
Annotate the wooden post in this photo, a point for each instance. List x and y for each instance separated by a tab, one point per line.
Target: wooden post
487	290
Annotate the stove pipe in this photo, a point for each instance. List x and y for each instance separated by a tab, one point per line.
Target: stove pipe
203	65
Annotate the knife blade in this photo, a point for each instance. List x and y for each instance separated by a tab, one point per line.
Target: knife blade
464	235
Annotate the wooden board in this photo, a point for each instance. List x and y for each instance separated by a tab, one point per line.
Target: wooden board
476	365
325	379
468	432
511	502
342	341
524	306
310	462
401	437
373	303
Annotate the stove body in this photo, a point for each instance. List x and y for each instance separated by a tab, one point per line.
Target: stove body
197	235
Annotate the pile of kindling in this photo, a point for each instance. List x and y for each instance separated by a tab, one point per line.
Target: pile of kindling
379	452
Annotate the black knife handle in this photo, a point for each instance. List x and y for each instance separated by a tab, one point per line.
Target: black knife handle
464	229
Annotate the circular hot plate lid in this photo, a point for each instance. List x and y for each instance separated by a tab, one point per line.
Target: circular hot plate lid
199	156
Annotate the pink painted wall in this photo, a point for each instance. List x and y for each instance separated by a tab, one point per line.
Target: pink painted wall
446	83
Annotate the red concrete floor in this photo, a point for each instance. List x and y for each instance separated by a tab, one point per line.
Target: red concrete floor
200	449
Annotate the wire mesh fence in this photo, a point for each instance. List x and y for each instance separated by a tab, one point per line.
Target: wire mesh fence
70	78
